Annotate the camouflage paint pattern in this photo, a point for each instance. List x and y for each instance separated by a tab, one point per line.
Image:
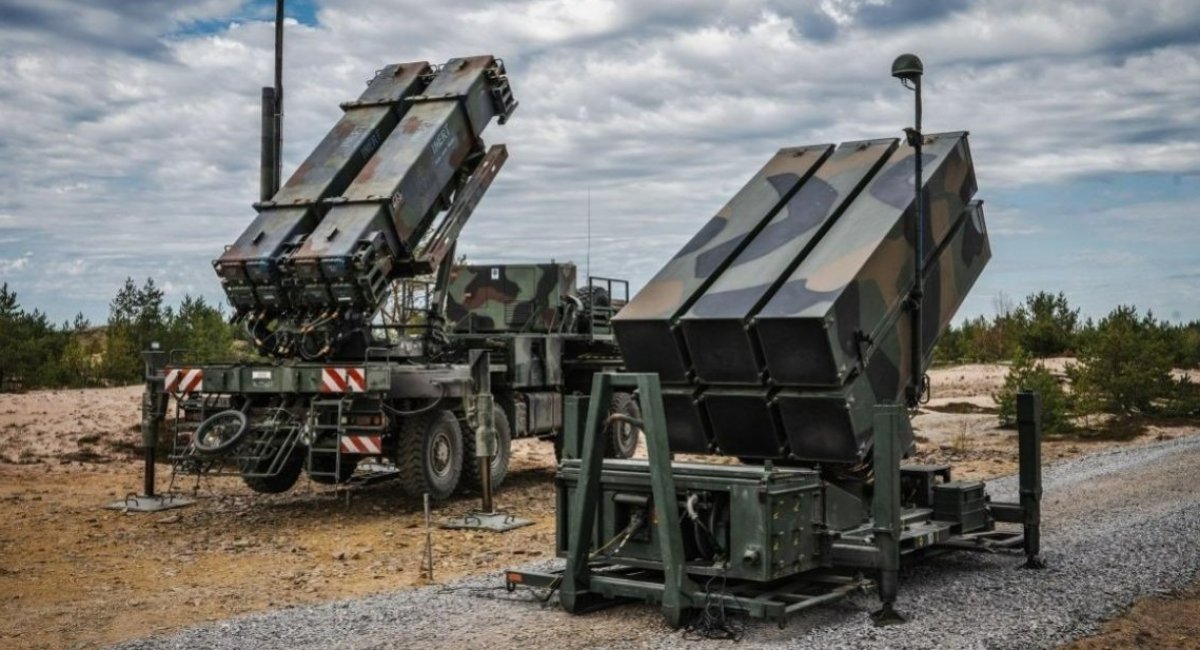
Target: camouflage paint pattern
796	338
716	327
811	419
509	297
249	268
391	204
840	296
644	328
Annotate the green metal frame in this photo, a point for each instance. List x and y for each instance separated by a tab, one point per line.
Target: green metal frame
894	534
575	594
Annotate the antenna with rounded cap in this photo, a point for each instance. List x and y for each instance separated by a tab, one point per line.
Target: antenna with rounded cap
908	69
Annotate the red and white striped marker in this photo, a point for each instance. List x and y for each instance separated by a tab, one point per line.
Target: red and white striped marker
182	381
361	444
343	380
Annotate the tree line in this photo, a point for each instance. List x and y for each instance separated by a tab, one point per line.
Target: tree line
1125	365
37	353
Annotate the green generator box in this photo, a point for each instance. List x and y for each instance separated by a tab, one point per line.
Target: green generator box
738	522
963	502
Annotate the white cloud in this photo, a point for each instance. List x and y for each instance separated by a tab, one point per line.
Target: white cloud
135	145
15	264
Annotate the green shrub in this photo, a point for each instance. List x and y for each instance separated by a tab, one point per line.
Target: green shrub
1125	365
1027	374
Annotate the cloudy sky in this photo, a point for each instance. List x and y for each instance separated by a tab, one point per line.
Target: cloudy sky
129	129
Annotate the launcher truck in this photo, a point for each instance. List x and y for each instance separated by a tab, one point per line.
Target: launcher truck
432	398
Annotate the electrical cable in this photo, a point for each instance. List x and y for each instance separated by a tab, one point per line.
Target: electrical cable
712	621
423	409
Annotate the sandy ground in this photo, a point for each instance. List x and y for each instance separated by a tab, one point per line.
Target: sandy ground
74	575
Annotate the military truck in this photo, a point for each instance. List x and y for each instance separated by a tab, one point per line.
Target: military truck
432	399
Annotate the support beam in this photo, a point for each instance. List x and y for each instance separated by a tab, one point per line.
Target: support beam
1029	434
885	509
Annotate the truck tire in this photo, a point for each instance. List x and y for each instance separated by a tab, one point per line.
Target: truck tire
622	441
430	455
221	432
324	465
471	481
281	482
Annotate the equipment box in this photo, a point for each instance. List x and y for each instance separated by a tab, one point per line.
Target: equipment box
962	502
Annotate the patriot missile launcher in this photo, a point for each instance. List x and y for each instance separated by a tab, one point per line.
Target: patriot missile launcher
252	269
432	395
309	275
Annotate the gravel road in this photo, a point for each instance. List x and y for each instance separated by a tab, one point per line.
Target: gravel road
1118	526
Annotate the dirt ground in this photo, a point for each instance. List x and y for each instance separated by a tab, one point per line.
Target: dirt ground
1170	622
74	575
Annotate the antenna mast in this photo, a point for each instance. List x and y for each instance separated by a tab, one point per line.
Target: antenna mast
589	236
270	174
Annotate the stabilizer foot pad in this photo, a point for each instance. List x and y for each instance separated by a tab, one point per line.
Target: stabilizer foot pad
497	522
143	503
887	615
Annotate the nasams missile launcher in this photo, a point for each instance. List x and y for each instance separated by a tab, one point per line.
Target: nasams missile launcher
783	334
426	396
787	309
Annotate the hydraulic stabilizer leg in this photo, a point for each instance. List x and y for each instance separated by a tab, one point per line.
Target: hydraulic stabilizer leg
885	509
482	418
154	410
1029	435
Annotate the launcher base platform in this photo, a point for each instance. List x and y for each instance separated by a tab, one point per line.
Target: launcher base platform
764	540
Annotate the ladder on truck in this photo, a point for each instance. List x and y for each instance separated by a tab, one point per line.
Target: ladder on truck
345	429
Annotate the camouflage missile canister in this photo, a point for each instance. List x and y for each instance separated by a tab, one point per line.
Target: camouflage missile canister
384	213
645	327
835	426
795	337
716	328
248	269
812	328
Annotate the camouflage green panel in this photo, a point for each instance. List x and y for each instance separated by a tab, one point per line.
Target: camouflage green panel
715	329
822	313
509	297
839	298
644	327
836	426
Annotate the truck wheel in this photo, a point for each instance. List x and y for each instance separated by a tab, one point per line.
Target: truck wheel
623	439
281	482
323	464
430	455
470	472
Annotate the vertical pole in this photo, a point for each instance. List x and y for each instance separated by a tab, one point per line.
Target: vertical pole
1029	436
676	587
918	293
485	475
278	117
428	540
885	509
266	167
574	590
485	423
149	447
154	409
